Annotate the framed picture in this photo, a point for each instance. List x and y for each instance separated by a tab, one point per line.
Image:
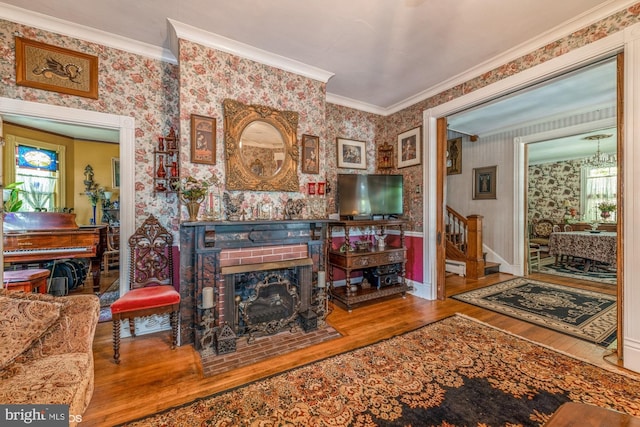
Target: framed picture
351	154
115	172
312	188
409	147
43	66
454	156
203	140
484	183
321	188
310	154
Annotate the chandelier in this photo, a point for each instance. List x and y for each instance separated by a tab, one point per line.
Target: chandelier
600	159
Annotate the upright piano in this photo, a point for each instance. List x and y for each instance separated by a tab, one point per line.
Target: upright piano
30	237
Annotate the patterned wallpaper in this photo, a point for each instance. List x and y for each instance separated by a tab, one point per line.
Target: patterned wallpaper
208	76
550	186
160	95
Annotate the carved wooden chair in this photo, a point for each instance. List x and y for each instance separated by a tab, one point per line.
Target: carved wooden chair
540	232
150	282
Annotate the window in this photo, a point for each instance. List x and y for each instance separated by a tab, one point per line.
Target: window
38	170
599	184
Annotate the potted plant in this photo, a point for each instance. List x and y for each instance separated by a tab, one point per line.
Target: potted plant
11	197
605	209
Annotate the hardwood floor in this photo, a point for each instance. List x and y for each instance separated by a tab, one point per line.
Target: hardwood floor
151	377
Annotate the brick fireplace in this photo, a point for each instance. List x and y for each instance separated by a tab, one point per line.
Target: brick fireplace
232	258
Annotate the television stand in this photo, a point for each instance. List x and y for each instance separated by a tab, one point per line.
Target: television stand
382	267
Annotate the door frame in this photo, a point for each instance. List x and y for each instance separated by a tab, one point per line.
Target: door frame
125	125
627	40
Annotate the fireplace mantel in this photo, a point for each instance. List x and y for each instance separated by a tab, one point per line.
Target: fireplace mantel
205	247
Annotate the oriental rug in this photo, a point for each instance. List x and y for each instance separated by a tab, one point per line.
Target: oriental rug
577	312
455	372
107	298
575	269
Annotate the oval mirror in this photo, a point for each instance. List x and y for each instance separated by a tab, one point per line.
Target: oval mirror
261	148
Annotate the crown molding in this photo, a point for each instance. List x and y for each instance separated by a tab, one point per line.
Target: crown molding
82	32
332	98
216	41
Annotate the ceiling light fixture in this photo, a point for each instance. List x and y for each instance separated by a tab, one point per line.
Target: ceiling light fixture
600	159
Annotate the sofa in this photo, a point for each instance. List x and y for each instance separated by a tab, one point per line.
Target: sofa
46	355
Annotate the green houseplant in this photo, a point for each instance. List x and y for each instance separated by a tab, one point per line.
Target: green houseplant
13	202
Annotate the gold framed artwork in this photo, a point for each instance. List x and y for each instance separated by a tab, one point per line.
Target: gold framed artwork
352	154
385	156
484	183
310	154
203	140
43	66
409	147
454	156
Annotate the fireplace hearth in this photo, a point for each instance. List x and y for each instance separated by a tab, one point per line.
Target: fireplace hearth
264	278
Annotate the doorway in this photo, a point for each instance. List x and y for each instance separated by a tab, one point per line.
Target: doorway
126	129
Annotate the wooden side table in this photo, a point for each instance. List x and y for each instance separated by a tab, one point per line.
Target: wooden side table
26	280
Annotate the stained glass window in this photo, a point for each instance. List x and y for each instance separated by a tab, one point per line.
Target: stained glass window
37	158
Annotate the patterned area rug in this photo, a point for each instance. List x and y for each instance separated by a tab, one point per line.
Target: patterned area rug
455	372
575	269
106	299
584	314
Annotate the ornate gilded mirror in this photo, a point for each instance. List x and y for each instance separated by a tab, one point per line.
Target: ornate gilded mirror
261	147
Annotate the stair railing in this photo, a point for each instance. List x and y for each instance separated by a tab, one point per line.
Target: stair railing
464	241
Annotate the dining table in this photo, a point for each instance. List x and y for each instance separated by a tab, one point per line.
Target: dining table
590	245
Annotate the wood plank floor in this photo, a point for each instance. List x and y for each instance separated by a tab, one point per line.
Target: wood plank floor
151	377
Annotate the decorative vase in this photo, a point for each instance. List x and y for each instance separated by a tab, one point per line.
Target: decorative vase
92	221
174	169
193	207
160	143
161	173
605	215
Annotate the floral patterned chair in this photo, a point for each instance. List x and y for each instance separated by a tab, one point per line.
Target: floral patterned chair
540	232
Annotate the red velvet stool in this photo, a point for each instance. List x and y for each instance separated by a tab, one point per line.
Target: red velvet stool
26	280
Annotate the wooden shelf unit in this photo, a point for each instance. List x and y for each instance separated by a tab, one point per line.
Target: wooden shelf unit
385	265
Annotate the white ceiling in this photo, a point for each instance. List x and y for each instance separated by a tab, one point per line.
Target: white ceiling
383	54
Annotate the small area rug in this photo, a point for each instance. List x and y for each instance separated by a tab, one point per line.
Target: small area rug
581	313
455	372
106	299
575	269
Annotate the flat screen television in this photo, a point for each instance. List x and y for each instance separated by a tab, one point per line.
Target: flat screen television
368	196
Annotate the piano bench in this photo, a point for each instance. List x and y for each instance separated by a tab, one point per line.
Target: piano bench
26	280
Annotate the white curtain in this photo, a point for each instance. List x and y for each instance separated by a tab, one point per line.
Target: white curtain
600	186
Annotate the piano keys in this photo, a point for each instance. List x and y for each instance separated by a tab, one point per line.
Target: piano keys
46	236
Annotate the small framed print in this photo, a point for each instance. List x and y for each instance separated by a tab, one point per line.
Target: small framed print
351	154
454	156
310	154
43	66
203	140
409	147
484	183
321	188
311	188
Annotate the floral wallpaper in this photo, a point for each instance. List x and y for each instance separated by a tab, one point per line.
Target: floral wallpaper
550	186
161	95
143	88
208	76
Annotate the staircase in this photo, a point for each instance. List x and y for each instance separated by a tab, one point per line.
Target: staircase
463	238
